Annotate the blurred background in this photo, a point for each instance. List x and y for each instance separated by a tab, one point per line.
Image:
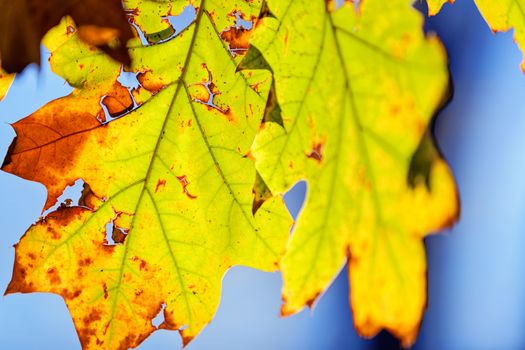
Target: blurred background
476	278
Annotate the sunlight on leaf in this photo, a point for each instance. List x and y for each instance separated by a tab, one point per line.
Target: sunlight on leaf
356	88
168	199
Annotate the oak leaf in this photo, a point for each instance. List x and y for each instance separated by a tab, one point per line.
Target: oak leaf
23	23
354	91
166	177
501	16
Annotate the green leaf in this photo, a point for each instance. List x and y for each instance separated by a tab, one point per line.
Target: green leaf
356	88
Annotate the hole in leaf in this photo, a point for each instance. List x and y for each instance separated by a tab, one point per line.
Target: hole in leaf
295	198
70	196
241	22
211	90
177	24
183	20
238	36
159	319
128	79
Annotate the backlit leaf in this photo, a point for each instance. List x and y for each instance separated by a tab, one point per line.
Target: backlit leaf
168	204
355	90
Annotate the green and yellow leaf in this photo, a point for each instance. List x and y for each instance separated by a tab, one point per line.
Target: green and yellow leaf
165	172
354	90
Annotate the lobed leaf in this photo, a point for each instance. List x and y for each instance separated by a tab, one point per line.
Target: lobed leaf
355	89
166	177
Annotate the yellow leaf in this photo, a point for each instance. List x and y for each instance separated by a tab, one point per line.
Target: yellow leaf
355	89
434	6
5	82
166	174
501	16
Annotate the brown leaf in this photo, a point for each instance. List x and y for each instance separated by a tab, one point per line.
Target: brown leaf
23	23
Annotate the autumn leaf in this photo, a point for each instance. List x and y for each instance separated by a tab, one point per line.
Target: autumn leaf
354	91
166	177
23	23
5	82
434	6
501	16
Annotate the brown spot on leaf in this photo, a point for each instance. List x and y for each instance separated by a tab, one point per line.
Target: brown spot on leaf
255	87
205	92
54	233
53	276
105	289
317	152
119	101
184	183
161	184
85	262
142	265
238	39
88	332
87	198
68	295
228	114
310	302
148	81
118	235
286	40
63	216
186	339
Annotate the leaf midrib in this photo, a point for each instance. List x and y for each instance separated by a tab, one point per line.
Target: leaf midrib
149	170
